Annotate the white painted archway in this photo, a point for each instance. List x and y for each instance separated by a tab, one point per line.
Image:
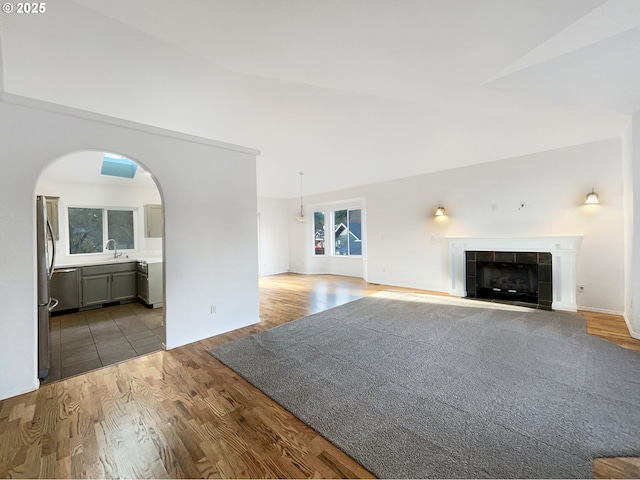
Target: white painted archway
210	247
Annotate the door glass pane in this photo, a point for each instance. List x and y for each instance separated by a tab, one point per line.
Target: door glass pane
85	230
120	228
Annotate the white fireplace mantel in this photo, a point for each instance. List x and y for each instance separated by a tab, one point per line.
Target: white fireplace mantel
563	249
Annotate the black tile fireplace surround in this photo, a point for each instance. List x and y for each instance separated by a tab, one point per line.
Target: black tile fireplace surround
513	277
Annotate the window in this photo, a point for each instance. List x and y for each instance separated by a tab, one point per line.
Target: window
120	228
89	229
347	230
85	230
318	233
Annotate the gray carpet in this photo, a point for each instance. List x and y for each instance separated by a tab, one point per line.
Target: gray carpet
417	386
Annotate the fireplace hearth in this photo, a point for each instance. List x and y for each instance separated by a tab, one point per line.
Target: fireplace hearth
514	277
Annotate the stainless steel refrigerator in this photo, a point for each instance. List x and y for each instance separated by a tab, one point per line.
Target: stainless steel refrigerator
46	253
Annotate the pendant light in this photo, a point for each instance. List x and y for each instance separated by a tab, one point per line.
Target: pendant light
440	211
302	217
592	198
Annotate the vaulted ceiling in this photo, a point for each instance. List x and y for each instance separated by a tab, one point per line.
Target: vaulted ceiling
350	92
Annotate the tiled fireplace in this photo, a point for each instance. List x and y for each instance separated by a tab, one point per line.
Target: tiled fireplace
535	270
520	277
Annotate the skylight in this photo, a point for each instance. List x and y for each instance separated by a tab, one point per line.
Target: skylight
117	166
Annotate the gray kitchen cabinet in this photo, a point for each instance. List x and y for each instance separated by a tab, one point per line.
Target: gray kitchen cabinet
52	215
143	287
96	290
123	286
102	284
153	221
150	289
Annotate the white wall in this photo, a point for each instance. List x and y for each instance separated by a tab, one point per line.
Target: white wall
274	236
406	243
209	192
633	309
86	195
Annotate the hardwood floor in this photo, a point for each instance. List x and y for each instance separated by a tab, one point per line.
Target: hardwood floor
619	467
612	328
183	414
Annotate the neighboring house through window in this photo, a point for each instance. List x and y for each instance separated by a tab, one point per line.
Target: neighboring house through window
318	233
347	230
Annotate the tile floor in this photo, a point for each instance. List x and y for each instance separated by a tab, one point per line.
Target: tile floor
84	341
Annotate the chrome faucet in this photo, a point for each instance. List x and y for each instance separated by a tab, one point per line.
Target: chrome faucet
115	248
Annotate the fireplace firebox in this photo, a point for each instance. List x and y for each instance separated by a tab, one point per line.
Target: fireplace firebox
515	277
507	281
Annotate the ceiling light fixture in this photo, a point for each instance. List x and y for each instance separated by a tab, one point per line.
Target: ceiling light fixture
440	211
592	198
301	218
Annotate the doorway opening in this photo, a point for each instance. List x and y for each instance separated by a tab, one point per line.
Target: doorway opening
107	219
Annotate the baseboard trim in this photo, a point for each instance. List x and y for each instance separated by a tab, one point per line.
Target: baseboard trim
564	307
633	333
601	310
15	390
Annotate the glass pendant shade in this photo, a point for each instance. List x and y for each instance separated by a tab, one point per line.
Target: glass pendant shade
592	198
301	218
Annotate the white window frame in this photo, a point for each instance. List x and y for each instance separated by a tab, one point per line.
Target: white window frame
105	228
357	203
313	233
332	230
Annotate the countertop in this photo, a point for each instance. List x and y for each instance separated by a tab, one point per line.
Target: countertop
85	262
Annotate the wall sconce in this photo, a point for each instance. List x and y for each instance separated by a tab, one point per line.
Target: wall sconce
592	198
440	211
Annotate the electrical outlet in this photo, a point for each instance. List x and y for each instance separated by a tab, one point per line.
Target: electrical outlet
213	309
581	288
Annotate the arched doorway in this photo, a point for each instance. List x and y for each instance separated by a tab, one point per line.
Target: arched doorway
107	218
